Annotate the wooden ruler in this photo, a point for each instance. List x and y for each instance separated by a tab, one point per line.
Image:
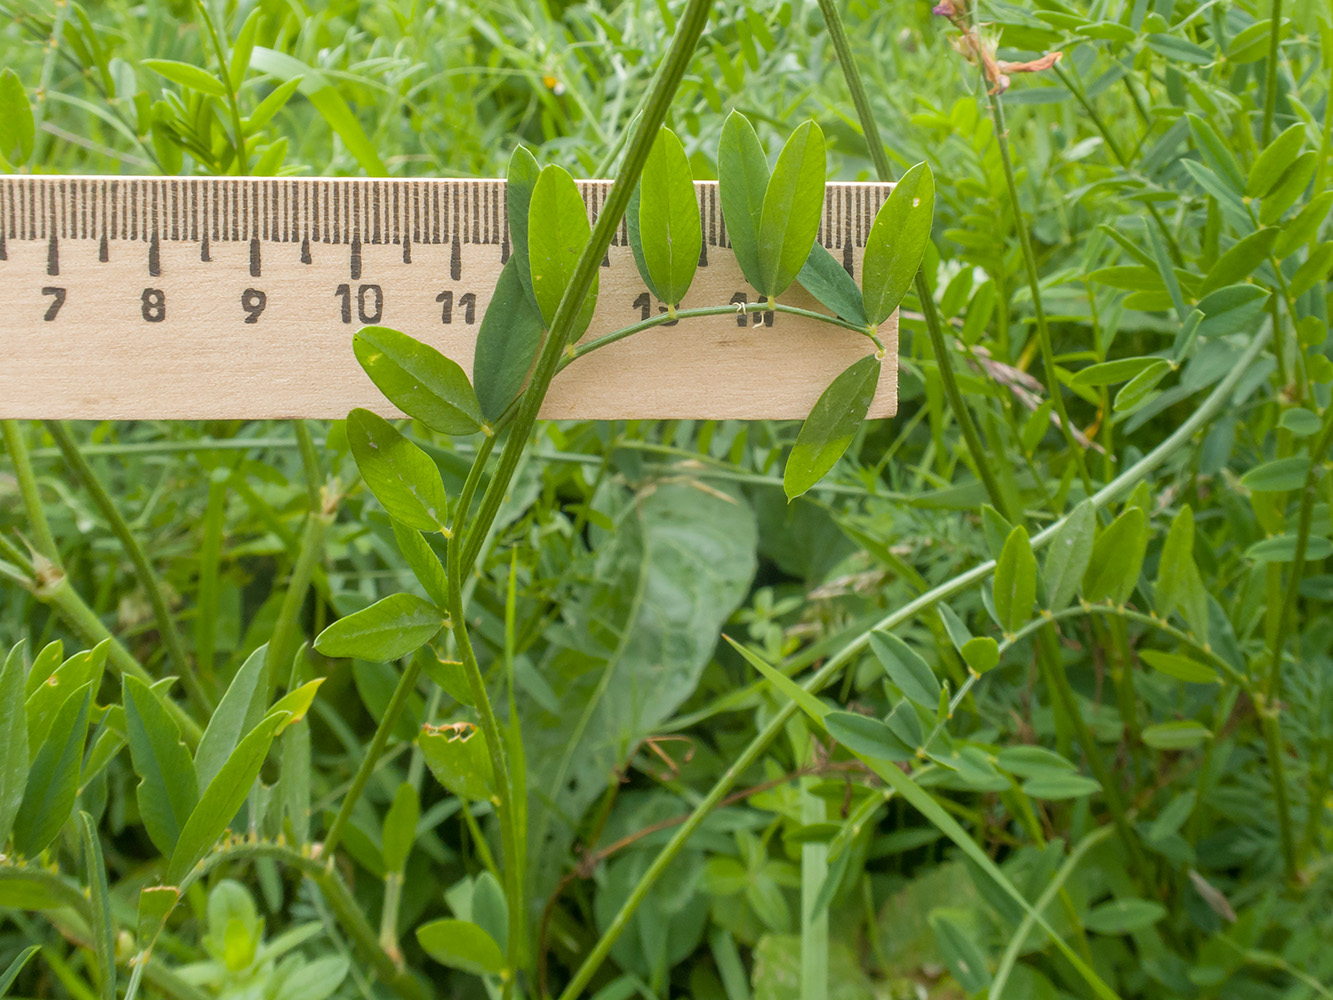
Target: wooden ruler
215	298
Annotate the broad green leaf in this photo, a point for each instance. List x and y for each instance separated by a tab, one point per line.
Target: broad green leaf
17	129
168	786
19	891
400	827
1232	309
423	562
1183	735
1277	476
317	979
46	663
44	704
669	225
388	629
1178	583
187	75
520	178
507	341
1179	666
1180	50
1117	557
237	713
965	960
53	779
403	478
155	904
1313	271
104	930
223	798
13	741
906	669
418	379
832	424
1068	556
1015	585
1274	161
1240	261
828	281
1301	422
320	92
636	244
981	653
15	967
1060	786
1216	154
863	735
904	723
793	203
1033	762
1289	188
1139	389
461	945
1282	548
457	755
743	177
490	911
1297	232
897	242
1124	916
1112	372
558	230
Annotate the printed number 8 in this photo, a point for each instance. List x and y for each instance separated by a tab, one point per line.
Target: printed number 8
154	305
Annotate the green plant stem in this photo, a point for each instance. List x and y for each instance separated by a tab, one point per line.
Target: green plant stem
747	757
166	623
1270	707
406	682
42	538
576	351
981	461
224	74
1270	71
1053	387
677	59
283	645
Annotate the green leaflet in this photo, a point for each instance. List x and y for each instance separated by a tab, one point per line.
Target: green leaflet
793	203
1183	735
490	911
669	228
906	669
46	700
423	562
1178	582
223	798
15	967
1240	261
457	755
636	243
45	664
507	341
1015	585
1124	916
187	75
16	122
1277	476
296	703
867	737
1231	309
403	478
981	653
1117	557
388	629
461	945
1289	188
828	281
1140	388
1068	556
53	779
104	931
558	230
168	787
418	379
1179	666
831	426
13	741
237	713
1112	372
897	243
961	954
743	175
520	177
400	827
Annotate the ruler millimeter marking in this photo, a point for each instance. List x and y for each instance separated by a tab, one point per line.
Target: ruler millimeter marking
206	298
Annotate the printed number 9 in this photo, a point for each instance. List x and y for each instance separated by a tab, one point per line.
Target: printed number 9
253	301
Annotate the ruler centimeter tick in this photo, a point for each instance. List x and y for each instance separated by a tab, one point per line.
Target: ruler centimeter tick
222	298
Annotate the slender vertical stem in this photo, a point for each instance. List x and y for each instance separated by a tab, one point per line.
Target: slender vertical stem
1053	387
981	461
143	570
1270	74
814	924
32	500
224	73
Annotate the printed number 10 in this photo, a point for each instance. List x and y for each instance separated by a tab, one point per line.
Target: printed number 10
364	295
